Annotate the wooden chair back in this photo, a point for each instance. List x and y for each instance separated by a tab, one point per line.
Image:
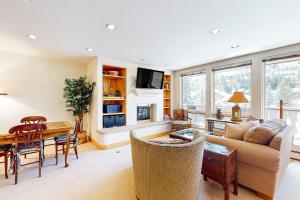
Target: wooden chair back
181	114
33	120
28	135
77	126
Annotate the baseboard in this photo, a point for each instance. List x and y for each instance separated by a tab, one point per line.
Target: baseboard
126	142
263	196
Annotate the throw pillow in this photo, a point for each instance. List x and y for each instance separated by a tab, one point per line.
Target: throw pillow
236	131
264	133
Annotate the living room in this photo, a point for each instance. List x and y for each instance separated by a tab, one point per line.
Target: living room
149	100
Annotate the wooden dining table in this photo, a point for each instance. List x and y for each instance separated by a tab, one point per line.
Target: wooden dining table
54	129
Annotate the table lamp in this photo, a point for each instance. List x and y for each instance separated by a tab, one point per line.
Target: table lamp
237	97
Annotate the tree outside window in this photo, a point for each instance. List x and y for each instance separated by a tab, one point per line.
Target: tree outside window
226	82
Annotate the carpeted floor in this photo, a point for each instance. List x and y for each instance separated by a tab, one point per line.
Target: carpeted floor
107	175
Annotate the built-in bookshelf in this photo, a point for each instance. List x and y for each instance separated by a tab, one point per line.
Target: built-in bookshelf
167	96
114	89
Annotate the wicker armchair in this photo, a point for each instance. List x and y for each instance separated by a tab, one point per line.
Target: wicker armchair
180	120
166	171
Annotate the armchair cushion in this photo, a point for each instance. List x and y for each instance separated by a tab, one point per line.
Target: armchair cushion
168	141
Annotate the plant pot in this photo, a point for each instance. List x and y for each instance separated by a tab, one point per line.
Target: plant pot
82	137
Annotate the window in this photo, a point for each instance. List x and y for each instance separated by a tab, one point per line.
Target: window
226	82
194	97
193	92
282	82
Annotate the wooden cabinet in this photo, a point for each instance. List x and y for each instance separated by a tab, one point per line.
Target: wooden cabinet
219	164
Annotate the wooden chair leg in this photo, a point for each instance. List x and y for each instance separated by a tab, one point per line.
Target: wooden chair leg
56	153
25	156
76	152
40	163
63	147
16	168
6	164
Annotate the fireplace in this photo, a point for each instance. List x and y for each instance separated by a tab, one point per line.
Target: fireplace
143	112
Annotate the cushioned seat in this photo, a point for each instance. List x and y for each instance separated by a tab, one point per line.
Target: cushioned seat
63	138
4	147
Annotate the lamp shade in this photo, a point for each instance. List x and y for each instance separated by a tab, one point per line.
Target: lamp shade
238	97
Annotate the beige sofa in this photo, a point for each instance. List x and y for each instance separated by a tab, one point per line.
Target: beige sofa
166	171
260	167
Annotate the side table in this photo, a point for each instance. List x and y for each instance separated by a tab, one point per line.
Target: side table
219	164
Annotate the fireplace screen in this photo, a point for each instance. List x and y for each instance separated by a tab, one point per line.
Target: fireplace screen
143	113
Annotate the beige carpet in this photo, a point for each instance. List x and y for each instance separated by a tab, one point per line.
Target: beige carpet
107	175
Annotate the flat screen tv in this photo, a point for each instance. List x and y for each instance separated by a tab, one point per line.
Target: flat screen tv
148	78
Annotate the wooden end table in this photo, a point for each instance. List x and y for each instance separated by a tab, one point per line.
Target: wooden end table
219	164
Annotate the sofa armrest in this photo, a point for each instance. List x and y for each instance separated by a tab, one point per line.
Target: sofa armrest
250	153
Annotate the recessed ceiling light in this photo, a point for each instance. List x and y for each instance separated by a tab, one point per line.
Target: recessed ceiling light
143	59
89	49
235	46
33	37
110	26
215	31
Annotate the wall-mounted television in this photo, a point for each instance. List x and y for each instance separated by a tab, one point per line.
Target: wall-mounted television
148	78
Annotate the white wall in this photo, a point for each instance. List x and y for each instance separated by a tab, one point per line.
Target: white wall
257	72
93	76
34	87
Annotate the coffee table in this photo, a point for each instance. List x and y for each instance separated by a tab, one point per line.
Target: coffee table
187	134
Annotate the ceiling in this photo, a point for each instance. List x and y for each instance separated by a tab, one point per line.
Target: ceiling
166	33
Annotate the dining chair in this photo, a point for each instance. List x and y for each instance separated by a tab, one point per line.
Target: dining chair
35	120
28	138
62	140
4	151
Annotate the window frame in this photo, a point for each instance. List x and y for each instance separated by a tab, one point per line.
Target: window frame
201	72
246	64
264	71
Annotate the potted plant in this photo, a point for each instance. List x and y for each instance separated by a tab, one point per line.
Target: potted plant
78	93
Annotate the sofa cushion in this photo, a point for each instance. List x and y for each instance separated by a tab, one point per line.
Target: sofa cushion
264	133
277	140
236	131
252	154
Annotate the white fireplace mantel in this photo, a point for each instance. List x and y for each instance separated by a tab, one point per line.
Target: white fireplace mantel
147	92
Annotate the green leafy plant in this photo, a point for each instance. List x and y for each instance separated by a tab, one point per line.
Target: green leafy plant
77	93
